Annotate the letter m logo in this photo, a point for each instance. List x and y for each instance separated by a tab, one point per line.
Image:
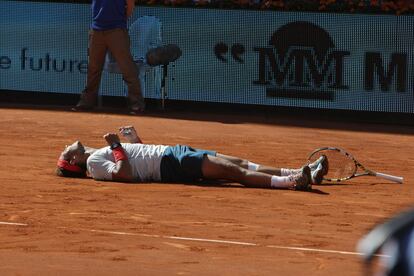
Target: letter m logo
397	68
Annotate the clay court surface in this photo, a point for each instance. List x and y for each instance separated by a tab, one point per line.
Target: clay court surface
60	226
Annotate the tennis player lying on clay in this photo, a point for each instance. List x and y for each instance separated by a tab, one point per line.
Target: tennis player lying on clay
139	162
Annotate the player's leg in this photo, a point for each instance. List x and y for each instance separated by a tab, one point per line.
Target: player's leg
216	167
250	165
319	168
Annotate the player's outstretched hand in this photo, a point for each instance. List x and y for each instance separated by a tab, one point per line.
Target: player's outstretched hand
130	134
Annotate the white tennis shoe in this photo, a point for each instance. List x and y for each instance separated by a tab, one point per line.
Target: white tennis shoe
319	168
302	179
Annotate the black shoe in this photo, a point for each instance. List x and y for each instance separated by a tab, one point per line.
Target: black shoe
136	108
138	111
81	106
85	103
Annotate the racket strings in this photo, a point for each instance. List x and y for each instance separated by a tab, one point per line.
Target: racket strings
340	165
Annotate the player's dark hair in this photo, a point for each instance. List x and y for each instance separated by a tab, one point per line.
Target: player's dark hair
65	173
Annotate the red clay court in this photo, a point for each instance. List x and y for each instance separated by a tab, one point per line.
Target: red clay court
61	226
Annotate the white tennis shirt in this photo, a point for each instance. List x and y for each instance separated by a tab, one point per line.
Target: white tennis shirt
145	162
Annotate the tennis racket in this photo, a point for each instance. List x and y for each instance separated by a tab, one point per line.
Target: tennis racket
343	166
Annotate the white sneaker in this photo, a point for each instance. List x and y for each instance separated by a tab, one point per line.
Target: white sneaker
302	180
319	169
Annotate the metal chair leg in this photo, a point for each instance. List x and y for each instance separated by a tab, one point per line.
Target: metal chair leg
163	85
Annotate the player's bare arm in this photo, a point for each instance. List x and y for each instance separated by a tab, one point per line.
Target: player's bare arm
123	170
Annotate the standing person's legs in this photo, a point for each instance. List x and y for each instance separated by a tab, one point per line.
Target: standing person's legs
118	42
96	59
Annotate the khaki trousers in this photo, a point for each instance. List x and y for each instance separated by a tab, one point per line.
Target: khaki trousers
118	43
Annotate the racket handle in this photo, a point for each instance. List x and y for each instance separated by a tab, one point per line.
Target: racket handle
393	178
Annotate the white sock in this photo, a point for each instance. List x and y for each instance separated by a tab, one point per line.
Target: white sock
252	166
287	172
280	182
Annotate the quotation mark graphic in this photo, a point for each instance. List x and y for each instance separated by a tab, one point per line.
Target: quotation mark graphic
221	49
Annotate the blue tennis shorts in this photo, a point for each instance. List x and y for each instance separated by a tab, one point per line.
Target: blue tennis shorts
183	164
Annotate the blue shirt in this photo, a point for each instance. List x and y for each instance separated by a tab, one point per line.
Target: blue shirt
108	14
